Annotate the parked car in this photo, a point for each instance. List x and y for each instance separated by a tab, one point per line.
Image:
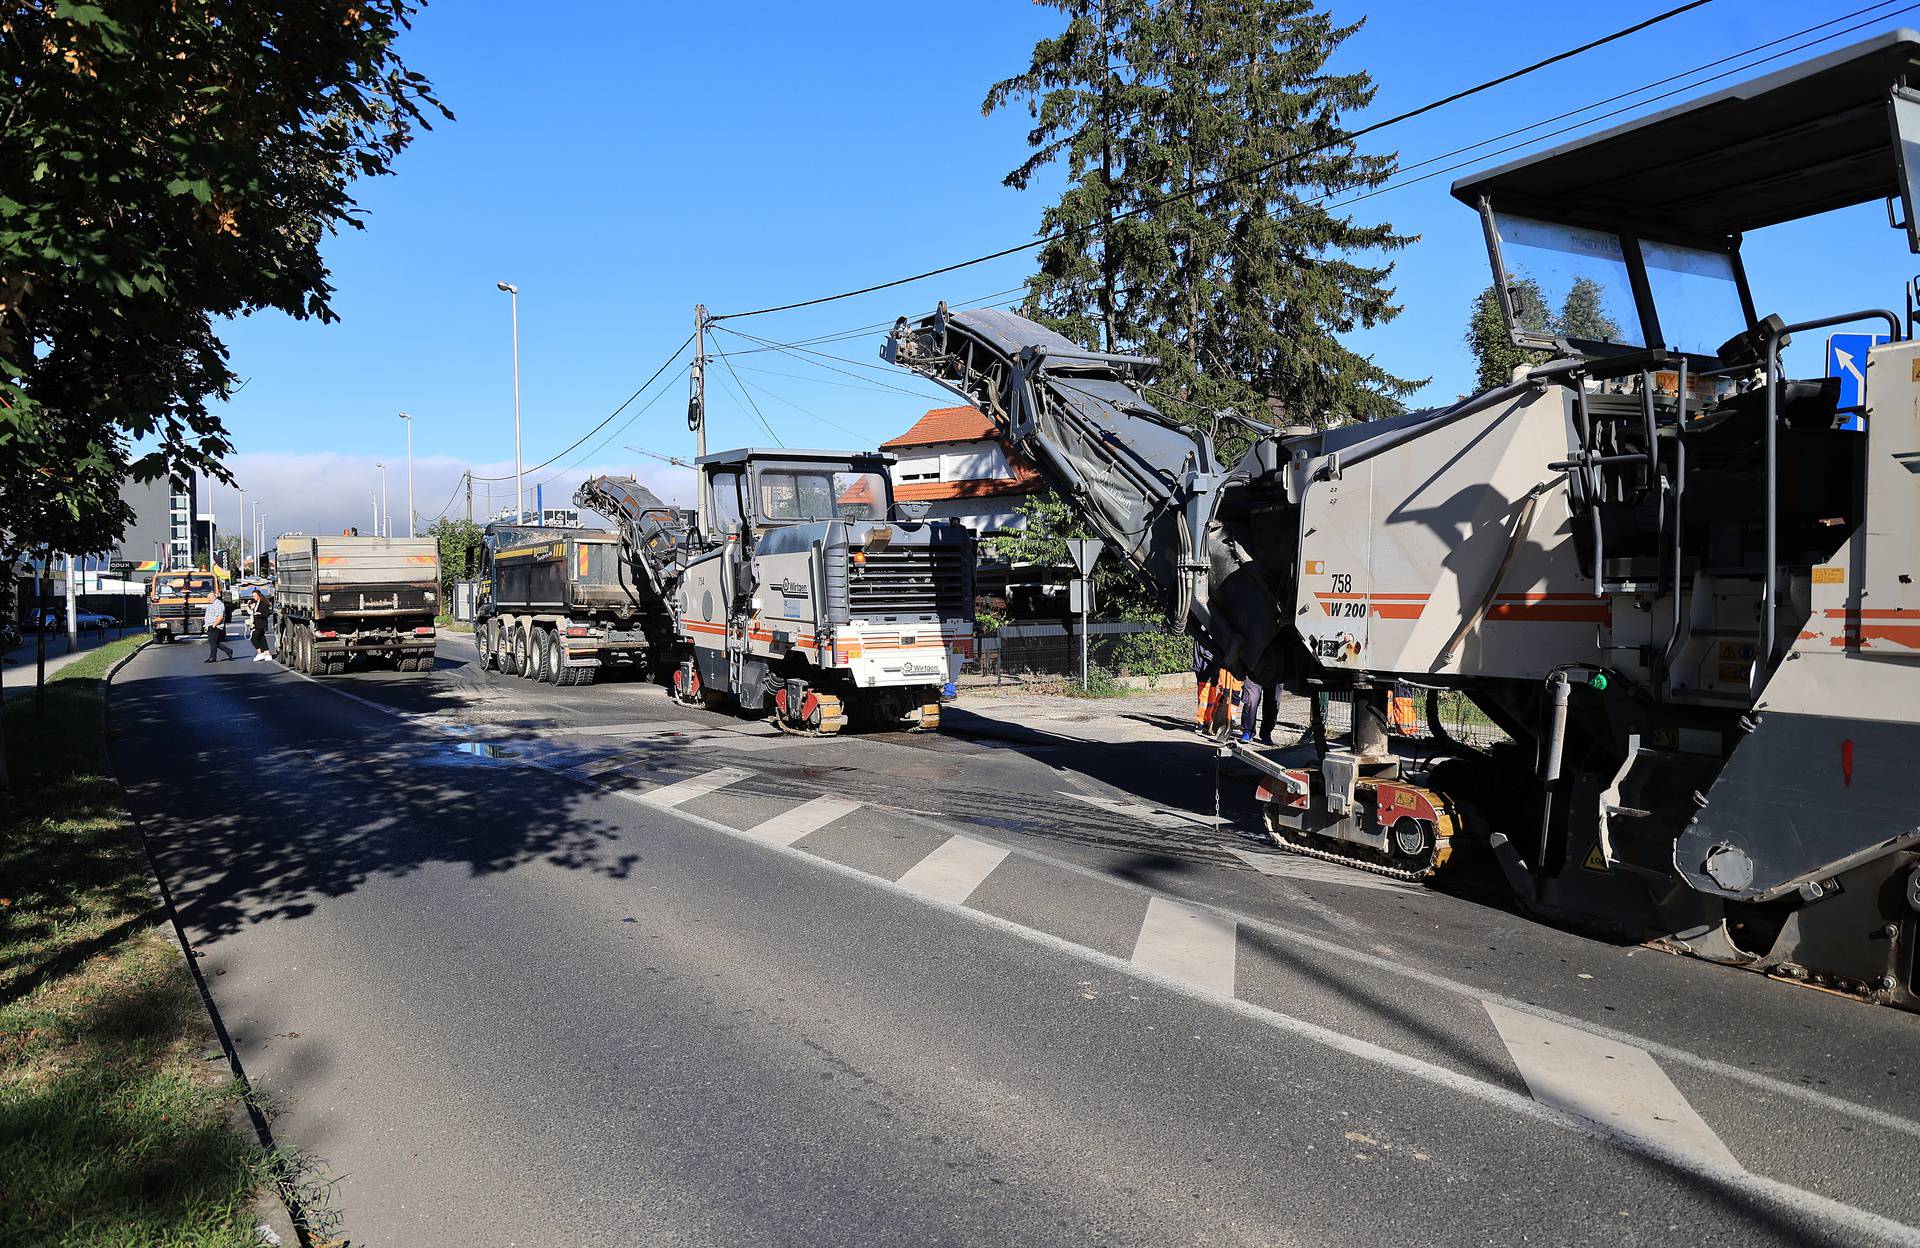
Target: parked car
47	619
93	620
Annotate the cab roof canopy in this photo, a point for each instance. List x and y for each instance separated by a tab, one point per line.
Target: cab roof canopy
1806	140
867	460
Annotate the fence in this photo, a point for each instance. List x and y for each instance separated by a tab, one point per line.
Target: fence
1054	649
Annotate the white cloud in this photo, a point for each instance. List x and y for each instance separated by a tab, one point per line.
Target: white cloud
325	492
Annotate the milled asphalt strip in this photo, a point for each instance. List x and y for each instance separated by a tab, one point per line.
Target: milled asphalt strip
1665	1052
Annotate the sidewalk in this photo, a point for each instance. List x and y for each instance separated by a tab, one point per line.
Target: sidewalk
17	665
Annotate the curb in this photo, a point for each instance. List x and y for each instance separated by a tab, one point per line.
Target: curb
290	1204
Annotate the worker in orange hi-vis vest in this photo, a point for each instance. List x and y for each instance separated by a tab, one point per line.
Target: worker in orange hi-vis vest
1401	715
1226	706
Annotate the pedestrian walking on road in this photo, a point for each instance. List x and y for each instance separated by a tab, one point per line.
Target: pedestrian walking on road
257	627
216	621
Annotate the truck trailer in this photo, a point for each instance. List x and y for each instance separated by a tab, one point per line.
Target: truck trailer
352	596
564	605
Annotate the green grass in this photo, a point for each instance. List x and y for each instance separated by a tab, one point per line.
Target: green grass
447	624
119	1118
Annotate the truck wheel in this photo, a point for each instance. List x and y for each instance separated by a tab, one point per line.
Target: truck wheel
488	641
522	653
303	651
542	656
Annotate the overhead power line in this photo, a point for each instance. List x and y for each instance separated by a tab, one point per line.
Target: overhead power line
744	392
607	420
1342	141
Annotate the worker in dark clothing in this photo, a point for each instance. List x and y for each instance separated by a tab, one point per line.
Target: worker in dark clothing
1259	701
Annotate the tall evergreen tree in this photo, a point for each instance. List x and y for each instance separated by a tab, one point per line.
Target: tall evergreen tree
1494	354
1223	126
1583	313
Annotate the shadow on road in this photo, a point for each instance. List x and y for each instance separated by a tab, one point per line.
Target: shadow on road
263	796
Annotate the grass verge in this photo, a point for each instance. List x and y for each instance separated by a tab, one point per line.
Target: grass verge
118	1112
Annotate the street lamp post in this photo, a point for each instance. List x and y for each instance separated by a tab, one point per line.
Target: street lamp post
519	497
409	420
382	518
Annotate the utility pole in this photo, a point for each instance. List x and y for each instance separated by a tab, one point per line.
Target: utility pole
409	420
697	413
374	497
73	625
469	476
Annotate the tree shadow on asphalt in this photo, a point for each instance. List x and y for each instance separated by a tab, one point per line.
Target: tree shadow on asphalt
251	825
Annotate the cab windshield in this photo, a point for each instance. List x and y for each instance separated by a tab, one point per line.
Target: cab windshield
821	494
1575	283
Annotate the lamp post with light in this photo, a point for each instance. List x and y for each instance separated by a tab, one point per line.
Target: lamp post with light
519	497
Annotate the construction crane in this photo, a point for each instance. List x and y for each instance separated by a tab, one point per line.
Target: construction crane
1679	580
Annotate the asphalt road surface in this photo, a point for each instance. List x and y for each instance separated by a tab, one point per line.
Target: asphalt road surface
531	966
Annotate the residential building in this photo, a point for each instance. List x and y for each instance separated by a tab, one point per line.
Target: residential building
953	459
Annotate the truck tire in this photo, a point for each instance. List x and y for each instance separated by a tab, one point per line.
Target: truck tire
487	640
543	656
303	651
522	652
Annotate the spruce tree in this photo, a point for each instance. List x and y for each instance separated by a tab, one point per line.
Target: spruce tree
1218	120
1494	354
1583	313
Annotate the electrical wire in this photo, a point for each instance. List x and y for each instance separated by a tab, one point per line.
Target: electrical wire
614	433
804	355
450	498
1343	140
721	352
776	395
665	365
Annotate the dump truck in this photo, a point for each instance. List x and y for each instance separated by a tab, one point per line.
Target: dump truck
350	596
564	605
176	603
1679	579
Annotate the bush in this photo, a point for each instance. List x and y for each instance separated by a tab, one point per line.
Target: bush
1152	654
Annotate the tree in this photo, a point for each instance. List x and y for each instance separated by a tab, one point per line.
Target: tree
1215	124
227	553
1493	351
163	165
460	543
1583	313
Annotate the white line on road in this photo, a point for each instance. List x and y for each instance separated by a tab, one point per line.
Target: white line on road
682	791
789	826
1191	945
951	872
1617	1086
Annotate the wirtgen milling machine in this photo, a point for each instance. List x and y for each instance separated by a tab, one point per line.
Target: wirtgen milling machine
1682	582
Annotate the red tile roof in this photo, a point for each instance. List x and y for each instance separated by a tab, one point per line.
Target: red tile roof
944	424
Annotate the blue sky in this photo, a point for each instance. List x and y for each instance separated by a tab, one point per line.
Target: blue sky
623	162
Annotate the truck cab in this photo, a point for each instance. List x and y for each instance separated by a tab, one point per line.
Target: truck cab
818	596
176	602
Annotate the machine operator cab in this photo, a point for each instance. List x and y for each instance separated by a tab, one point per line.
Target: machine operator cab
754	489
1617	264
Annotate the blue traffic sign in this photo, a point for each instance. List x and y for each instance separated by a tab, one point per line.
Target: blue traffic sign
1847	360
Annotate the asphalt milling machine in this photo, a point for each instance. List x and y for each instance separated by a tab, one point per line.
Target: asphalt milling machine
807	594
1681	581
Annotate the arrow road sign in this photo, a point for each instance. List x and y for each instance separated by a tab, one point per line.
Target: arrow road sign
1847	360
1083	551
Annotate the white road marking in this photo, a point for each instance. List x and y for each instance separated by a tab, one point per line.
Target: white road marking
682	791
1616	1086
1771	1190
789	826
1187	944
951	872
1296	867
646	728
1157	816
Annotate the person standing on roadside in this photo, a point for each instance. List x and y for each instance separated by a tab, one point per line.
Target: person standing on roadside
216	621
1206	676
1259	701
